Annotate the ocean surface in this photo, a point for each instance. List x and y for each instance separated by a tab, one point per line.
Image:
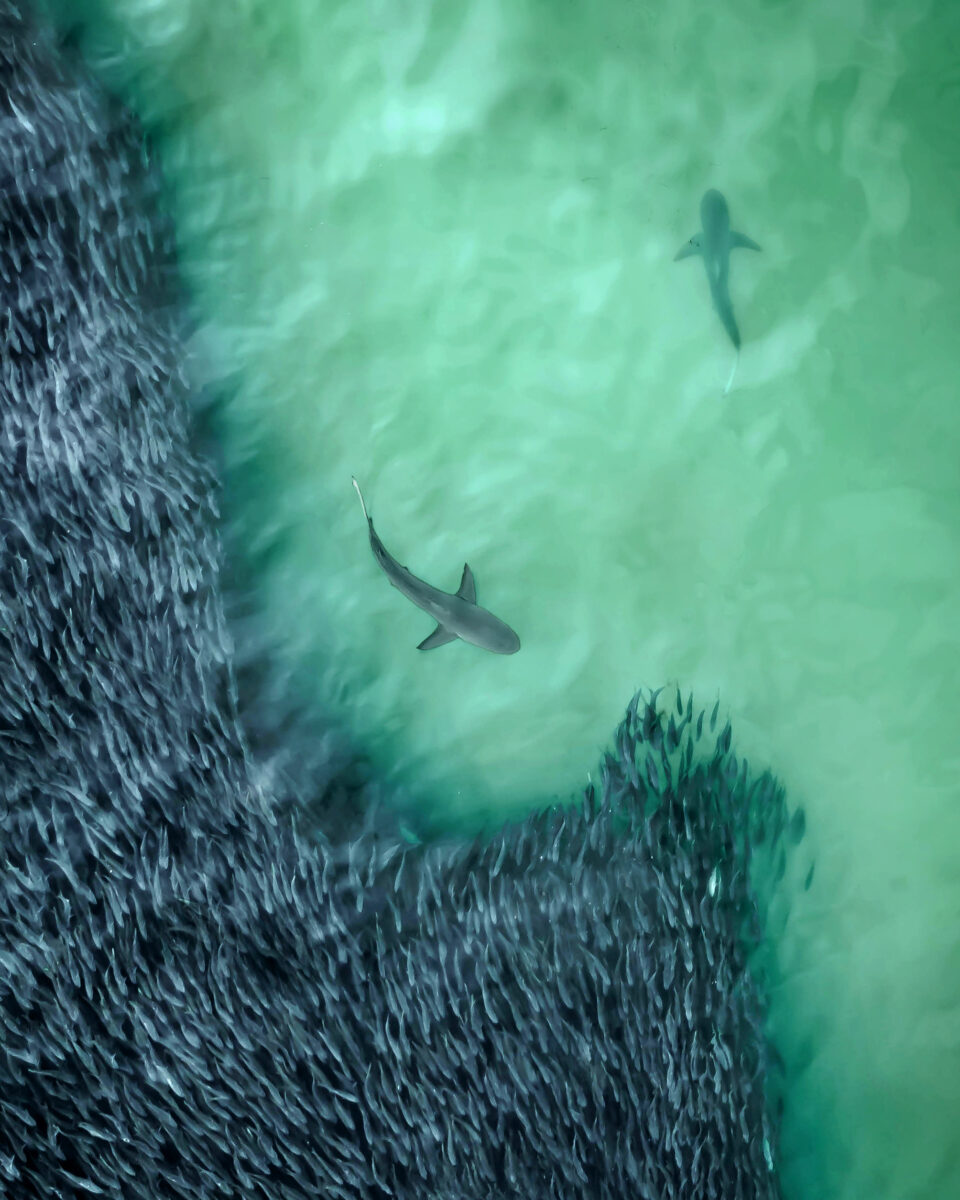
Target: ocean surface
432	245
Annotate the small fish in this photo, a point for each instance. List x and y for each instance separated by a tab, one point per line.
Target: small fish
457	614
714	243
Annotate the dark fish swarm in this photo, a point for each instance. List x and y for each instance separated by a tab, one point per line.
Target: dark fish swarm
194	1000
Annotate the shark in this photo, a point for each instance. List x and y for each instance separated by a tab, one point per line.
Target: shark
457	613
714	243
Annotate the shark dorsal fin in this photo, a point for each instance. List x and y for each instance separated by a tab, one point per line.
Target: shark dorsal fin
439	637
468	587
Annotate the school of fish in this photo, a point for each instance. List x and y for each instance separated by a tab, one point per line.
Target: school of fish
198	1001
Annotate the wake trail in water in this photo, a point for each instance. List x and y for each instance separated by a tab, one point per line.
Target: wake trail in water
733	371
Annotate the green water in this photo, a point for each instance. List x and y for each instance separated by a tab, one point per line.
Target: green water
431	245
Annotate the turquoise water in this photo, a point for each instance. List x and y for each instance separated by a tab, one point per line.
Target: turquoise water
432	246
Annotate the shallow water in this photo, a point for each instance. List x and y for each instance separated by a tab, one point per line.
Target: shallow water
433	246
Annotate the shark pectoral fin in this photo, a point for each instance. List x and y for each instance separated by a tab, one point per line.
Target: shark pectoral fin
468	587
439	637
740	241
694	246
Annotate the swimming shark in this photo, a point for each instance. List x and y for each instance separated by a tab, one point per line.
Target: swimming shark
457	614
714	242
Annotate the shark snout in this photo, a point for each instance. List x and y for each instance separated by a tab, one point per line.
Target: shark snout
507	643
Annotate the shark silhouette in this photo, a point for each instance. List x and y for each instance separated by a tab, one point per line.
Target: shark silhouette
714	243
457	614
